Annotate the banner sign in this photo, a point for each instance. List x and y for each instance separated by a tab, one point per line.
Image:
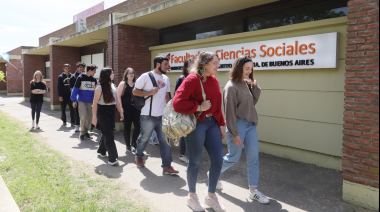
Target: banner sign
89	12
306	52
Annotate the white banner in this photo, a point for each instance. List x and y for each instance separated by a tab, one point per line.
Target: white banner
306	52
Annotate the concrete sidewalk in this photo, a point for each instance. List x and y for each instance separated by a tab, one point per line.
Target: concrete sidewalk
7	203
292	186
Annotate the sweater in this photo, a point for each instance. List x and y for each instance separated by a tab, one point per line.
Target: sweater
84	88
189	96
63	86
239	103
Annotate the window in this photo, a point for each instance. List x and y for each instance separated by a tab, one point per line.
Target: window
296	15
208	34
47	70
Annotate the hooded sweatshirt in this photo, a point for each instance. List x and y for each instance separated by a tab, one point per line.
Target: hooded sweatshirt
73	78
84	89
63	86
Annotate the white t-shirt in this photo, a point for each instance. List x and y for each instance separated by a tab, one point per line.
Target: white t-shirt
159	99
101	100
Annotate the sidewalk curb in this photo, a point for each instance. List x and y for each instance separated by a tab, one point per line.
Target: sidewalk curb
7	203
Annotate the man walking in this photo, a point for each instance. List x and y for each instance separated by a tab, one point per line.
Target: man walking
82	97
155	85
73	79
64	92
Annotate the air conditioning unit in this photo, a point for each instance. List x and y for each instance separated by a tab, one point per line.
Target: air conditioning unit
80	24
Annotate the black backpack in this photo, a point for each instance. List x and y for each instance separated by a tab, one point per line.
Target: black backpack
139	102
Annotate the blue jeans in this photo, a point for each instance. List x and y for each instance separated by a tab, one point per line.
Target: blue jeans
147	125
248	136
205	135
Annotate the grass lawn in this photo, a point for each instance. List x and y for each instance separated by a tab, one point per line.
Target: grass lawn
41	179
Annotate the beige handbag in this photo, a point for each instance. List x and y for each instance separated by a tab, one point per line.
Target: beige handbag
176	125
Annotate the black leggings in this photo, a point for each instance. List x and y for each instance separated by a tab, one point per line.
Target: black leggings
106	118
129	117
36	109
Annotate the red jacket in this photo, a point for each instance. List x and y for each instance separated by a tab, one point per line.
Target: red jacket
189	96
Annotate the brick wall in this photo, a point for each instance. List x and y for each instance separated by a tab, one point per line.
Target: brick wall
3	85
14	78
131	49
18	50
32	63
47	94
361	115
60	55
101	17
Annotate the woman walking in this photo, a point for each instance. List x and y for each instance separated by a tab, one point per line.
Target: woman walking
240	96
209	129
131	114
38	89
185	72
103	111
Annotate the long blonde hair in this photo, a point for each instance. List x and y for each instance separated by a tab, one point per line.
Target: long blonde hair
202	60
34	80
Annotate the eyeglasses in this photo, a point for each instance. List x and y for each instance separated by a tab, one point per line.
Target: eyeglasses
216	63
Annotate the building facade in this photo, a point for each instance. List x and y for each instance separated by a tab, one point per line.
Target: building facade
322	109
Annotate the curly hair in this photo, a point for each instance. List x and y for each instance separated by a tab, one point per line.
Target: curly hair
202	60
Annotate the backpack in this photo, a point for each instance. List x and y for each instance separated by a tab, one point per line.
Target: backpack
176	125
139	101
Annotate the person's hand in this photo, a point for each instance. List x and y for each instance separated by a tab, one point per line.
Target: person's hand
61	98
237	141
121	117
222	133
254	83
75	105
94	121
206	105
154	91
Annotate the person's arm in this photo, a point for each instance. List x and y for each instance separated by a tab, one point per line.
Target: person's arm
59	87
120	109
74	93
256	91
97	95
32	88
72	82
167	98
118	96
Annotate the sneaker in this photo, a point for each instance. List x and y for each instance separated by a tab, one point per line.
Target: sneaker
154	142
81	137
103	156
184	159
214	203
37	126
87	136
113	163
129	149
64	124
33	124
77	128
258	196
140	162
170	171
219	186
72	125
194	203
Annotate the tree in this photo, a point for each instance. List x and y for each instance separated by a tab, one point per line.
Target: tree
2	76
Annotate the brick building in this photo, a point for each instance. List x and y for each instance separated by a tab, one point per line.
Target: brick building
333	107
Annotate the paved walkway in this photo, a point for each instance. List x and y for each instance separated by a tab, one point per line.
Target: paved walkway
7	203
291	186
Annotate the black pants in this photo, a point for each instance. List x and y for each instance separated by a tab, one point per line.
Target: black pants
106	116
36	110
76	114
67	101
129	117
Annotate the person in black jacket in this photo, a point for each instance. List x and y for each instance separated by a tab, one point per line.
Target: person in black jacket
185	72
80	69
38	89
64	93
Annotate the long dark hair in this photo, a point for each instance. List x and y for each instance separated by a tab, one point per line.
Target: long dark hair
105	82
185	72
236	72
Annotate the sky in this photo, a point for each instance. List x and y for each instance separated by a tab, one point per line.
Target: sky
23	22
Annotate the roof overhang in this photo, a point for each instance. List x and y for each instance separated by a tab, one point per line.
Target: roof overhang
174	12
93	35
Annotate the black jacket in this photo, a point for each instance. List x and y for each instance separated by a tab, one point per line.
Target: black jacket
73	78
63	86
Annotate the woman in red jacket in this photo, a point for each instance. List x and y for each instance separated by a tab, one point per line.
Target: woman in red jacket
209	131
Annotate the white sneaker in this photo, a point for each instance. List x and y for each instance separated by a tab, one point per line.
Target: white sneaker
103	156
219	186
184	159
113	163
33	124
37	127
214	203
258	196
194	203
77	128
